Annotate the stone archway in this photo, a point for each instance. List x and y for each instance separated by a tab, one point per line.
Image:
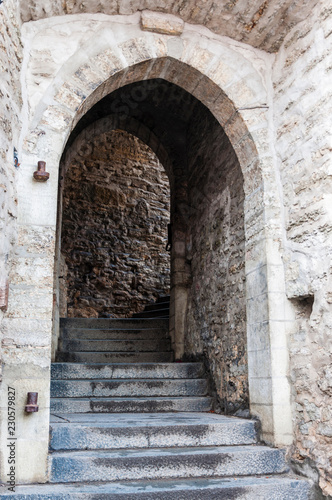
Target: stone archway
231	86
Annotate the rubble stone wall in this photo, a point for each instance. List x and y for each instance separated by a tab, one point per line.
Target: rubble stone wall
114	227
303	110
216	323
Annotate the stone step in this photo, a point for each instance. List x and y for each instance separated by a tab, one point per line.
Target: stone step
157	305
114	334
106	323
122	370
115	357
128	388
108	431
165	463
133	405
164	298
150	345
231	488
156	313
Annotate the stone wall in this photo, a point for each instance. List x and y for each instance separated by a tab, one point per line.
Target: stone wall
216	322
10	106
303	110
114	228
261	24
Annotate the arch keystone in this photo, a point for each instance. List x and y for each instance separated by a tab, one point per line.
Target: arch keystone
157	22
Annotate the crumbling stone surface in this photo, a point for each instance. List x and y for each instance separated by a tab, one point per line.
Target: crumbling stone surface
262	24
216	323
115	215
302	83
10	106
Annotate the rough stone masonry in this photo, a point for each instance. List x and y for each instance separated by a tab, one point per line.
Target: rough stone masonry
114	228
271	62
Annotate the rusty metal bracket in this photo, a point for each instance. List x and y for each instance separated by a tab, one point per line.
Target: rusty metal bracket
41	175
31	405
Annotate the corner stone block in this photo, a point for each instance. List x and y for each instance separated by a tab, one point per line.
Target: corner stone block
256	282
257	309
259	365
265	413
157	22
36	239
26	332
258	336
261	391
30	302
37	271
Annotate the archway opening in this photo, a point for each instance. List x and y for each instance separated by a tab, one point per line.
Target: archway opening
207	313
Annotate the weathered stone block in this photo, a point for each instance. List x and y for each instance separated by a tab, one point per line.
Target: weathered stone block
158	22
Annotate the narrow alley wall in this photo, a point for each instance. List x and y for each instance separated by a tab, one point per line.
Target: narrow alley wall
216	322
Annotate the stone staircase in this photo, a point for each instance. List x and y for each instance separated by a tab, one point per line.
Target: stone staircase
159	309
127	423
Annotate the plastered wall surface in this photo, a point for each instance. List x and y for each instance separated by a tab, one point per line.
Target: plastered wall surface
302	79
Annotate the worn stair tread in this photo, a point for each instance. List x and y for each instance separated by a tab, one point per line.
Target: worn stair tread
125	370
116	345
114	333
128	387
114	357
132	404
170	452
157	305
154	313
114	322
133	329
154	463
246	488
98	431
139	420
